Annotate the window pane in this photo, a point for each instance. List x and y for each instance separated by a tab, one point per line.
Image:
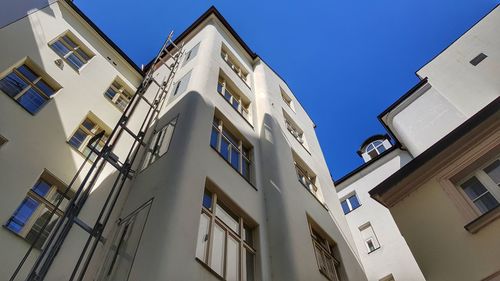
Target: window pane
354	202
486	202
247	235
235	158
88	124
248	266
345	207
22	214
217	263
41	188
235	104
75	61
46	89
27	73
232	259
110	93
225	215
219	87
32	100
12	84
60	48
168	132
70	42
207	199
227	95
83	54
202	242
78	138
473	188
246	169
214	137
224	148
493	171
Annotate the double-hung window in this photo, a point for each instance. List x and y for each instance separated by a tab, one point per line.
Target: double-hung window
72	52
37	214
90	127
118	95
160	142
233	99
225	241
231	148
350	203
27	88
324	250
482	188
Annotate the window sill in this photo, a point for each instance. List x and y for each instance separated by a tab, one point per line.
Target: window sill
239	113
247	180
353	209
373	250
483	220
17	235
209	269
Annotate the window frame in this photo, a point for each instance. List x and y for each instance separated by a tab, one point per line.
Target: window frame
122	92
189	54
98	127
243	245
154	149
325	246
287	99
72	50
243	110
41	76
372	236
375	147
348	201
235	65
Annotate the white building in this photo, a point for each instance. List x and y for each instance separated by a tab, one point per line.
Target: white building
230	184
446	135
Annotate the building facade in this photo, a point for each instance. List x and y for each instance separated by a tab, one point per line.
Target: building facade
439	180
230	182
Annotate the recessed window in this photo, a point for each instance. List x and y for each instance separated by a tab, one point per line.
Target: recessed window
287	99
225	240
294	129
181	85
191	53
482	188
233	149
28	88
160	142
90	127
479	58
368	235
71	50
350	203
328	264
375	148
234	99
307	179
118	94
38	212
234	65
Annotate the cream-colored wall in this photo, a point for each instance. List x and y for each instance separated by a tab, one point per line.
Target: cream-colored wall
433	227
39	142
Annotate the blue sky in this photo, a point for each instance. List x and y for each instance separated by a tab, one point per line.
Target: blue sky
346	61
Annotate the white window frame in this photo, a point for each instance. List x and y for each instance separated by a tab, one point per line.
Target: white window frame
287	99
242	109
371	237
122	93
307	179
323	246
158	144
191	53
98	127
73	50
235	65
348	201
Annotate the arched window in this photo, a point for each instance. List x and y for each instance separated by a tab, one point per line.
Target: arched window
375	148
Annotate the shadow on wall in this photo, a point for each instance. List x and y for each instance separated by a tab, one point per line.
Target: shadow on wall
13	10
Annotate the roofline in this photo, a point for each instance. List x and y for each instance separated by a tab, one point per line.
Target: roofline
437	148
104	36
446	48
403	97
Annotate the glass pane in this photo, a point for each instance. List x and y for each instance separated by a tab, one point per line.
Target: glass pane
202	242
12	84
473	188
60	48
207	199
46	222
32	100
217	263
246	169
236	104
168	131
345	207
78	138
230	137
224	148
214	137
84	55
22	214
380	149
41	188
88	124
486	202
75	61
110	93
225	215
248	266
232	259
27	73
493	171
235	158
46	89
227	95
219	87
354	202
247	235
69	41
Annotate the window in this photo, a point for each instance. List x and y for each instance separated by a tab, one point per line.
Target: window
90	127
307	179
27	88
181	85
225	241
350	203
118	95
34	217
369	237
3	140
296	132
375	148
75	54
328	264
478	59
482	188
191	53
160	142
232	62
231	148
233	99
286	99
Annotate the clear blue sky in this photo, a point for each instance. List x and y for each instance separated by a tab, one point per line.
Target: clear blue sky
346	61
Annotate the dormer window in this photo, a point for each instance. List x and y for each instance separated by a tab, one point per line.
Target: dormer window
374	146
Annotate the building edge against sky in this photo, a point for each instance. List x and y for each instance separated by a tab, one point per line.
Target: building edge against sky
445	132
232	182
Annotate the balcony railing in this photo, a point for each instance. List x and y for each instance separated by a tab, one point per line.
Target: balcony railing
230	151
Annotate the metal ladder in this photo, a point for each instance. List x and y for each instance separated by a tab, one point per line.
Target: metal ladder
64	224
